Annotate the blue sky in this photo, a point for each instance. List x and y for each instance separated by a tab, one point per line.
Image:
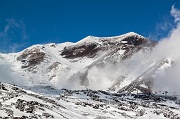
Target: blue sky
27	22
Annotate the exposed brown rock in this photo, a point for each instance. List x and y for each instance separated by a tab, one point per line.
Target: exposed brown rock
80	51
31	57
133	44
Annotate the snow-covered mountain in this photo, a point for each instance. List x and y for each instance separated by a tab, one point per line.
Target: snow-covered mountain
112	65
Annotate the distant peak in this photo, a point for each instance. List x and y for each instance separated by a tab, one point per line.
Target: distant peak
90	36
131	34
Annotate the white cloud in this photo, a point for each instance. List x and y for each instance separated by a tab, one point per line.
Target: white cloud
175	13
7	75
169	47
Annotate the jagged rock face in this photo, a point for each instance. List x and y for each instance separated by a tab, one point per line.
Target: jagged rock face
104	44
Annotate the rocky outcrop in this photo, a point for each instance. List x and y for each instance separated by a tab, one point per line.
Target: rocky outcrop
104	44
88	50
31	57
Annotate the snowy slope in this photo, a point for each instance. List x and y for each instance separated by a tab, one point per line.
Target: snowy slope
82	104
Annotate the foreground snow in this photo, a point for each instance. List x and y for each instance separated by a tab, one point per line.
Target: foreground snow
81	104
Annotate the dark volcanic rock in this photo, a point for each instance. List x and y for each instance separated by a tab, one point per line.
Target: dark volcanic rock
31	57
80	51
90	49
